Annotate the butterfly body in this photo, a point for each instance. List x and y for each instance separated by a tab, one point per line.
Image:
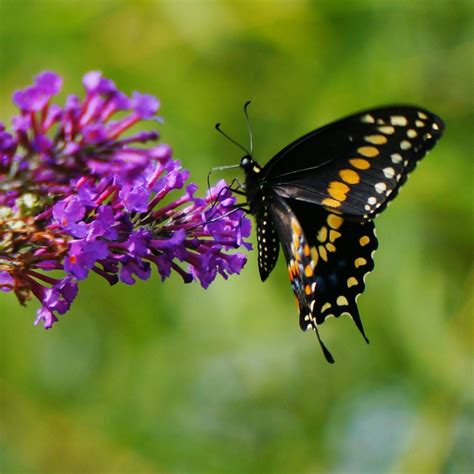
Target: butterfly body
318	198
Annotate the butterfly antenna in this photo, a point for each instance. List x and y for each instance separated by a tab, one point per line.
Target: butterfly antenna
218	128
249	124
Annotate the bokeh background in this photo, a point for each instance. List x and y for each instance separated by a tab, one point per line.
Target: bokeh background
166	377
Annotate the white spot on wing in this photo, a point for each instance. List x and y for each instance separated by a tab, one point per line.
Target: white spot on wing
388	130
389	172
398	120
367	118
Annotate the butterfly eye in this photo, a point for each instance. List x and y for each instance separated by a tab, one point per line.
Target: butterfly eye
245	162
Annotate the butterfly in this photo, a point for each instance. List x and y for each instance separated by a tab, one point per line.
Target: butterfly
317	198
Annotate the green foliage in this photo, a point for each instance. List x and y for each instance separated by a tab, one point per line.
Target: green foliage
167	377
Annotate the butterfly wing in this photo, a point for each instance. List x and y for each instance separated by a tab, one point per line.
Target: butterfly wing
328	258
343	253
300	265
356	165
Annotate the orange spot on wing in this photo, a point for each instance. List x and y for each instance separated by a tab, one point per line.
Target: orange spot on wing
290	274
368	151
330	202
360	164
349	176
296	227
334	221
338	190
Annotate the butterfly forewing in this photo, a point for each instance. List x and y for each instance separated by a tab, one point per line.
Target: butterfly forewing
356	165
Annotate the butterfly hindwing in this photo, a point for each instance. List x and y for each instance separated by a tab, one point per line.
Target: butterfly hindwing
298	258
343	253
301	265
328	259
355	166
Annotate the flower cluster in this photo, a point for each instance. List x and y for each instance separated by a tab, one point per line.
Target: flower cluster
80	191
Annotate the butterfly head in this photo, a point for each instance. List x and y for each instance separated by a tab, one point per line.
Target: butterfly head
249	165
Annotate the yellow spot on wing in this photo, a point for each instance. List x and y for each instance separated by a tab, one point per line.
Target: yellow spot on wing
322	234
322	252
333	235
349	176
314	255
334	221
330	247
307	289
359	262
360	164
376	139
307	250
351	281
368	151
330	202
325	307
364	240
342	301
308	271
388	130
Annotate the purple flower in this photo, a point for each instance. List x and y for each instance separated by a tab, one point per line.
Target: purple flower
79	193
7	282
144	105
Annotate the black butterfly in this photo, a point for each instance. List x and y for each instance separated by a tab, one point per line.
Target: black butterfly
318	198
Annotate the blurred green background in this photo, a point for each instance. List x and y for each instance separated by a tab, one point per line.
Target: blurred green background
163	377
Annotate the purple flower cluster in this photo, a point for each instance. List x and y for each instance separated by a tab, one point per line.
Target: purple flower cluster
79	194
